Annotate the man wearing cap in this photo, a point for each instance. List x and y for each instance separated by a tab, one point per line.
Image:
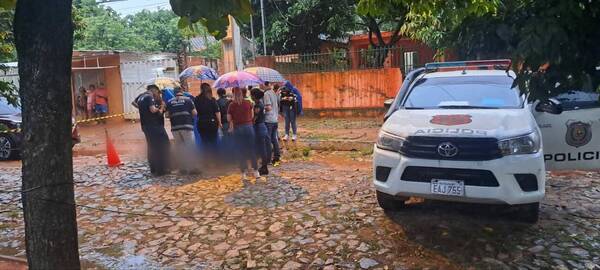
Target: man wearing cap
181	111
152	121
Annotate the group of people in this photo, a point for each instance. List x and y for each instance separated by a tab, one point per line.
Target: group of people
93	102
242	126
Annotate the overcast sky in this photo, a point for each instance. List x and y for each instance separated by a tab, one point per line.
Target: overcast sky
134	6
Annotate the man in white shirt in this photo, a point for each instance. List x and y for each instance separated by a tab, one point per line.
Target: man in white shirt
271	101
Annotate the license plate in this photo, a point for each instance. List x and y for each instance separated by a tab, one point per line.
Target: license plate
448	187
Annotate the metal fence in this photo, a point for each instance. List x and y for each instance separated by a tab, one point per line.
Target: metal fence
343	60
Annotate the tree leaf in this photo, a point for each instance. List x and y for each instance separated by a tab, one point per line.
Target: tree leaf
183	22
8	4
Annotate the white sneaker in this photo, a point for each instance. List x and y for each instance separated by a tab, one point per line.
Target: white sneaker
294	137
286	137
256	174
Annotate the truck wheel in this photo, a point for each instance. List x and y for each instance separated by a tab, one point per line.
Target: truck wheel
7	147
389	202
529	213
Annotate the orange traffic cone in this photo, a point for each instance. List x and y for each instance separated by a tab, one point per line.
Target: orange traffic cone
111	153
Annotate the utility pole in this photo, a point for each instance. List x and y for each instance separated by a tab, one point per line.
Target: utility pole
262	15
252	35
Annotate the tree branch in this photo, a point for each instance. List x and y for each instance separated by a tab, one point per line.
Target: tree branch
371	38
374	27
396	34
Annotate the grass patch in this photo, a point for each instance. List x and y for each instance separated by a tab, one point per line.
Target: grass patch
366	151
306	151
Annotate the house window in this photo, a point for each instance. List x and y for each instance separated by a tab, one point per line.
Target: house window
411	61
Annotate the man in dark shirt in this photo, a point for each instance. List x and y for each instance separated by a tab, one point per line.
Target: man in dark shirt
223	102
226	142
260	130
151	110
181	111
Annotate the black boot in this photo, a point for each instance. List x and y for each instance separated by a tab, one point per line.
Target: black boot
263	170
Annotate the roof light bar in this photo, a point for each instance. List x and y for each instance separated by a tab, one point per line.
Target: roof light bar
501	64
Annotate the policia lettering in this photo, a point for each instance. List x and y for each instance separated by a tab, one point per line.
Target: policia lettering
578	134
461	131
562	157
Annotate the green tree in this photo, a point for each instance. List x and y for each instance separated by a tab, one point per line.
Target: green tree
212	14
433	20
302	26
148	31
382	15
110	32
102	28
552	43
7	54
158	29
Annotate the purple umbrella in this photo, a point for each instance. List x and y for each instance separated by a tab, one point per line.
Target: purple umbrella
237	79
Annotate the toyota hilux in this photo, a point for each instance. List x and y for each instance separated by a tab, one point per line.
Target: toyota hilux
462	131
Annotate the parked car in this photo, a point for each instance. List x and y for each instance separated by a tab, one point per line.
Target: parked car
11	142
460	131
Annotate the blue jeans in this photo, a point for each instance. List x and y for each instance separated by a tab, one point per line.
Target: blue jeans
260	130
246	145
101	108
225	144
273	146
289	113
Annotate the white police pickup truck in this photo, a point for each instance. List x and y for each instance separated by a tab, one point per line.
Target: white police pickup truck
460	131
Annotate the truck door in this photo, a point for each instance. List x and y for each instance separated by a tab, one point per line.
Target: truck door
571	139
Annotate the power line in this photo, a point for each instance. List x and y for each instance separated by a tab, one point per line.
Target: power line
285	17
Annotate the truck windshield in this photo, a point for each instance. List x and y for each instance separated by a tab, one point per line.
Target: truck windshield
464	92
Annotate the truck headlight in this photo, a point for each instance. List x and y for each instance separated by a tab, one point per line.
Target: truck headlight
527	144
389	142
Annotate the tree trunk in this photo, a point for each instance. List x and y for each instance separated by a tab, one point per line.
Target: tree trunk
44	41
182	63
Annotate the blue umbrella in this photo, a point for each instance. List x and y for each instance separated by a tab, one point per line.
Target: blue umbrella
199	72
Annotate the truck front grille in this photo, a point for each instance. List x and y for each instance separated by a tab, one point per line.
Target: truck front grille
480	178
470	149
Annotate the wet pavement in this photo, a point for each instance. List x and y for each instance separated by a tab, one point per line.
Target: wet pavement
315	211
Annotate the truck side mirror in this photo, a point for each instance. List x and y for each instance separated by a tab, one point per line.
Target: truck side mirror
388	103
551	106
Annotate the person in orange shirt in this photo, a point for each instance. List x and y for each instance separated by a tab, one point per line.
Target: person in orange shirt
101	101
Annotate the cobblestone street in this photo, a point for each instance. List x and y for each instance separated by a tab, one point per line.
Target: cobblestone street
315	211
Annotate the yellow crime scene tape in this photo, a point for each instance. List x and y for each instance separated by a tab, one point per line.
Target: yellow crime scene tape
17	130
104	117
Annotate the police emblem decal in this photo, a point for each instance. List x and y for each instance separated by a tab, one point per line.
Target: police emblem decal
578	133
451	120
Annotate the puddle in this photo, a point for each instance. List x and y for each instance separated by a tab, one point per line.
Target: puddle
128	260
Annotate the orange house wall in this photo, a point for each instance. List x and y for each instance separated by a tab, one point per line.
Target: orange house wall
354	89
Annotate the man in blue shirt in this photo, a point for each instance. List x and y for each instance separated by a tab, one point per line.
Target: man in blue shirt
152	121
181	111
